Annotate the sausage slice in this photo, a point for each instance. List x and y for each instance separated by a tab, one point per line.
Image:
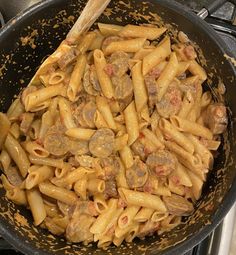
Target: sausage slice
101	144
137	175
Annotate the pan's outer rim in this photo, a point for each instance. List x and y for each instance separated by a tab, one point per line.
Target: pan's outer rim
229	199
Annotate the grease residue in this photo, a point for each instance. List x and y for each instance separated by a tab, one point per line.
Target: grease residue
30	39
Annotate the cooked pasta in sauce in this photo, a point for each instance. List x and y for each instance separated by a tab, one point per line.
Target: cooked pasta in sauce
113	137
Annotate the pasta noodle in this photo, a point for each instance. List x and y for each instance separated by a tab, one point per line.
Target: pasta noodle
131	122
4	127
18	154
151	33
36	206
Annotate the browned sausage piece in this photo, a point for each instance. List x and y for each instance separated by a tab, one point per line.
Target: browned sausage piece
88	114
120	63
77	114
161	162
78	229
139	149
150	82
94	78
216	119
90	81
55	142
148	228
65	209
170	103
101	144
137	175
110	189
13	175
123	89
111	167
84	207
178	205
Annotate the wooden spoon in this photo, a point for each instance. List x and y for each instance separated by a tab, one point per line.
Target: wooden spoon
92	10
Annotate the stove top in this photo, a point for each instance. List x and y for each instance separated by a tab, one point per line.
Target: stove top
224	22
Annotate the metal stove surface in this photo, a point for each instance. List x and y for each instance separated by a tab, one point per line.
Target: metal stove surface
218	242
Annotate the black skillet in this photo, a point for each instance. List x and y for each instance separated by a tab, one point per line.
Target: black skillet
18	64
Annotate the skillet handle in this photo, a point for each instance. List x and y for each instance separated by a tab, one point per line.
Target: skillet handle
208	10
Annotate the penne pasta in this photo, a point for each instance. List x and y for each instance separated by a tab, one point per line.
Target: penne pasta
197	185
190	161
66	113
142	199
35	149
103	219
5	160
47	161
157	216
37	176
38	97
86	42
17	195
127	156
121	142
18	154
151	33
149	135
104	79
187	105
100	203
205	154
80	133
36	206
178	137
140	94
143	215
167	76
96	186
109	29
191	127
105	110
130	46
58	193
161	52
75	84
127	216
15	110
80	188
4	128
196	69
131	122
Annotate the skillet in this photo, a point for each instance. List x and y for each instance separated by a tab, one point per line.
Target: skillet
19	62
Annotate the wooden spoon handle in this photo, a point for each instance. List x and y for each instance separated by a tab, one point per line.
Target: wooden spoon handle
92	10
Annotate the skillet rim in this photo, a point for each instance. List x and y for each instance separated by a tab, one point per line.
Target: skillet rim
229	198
